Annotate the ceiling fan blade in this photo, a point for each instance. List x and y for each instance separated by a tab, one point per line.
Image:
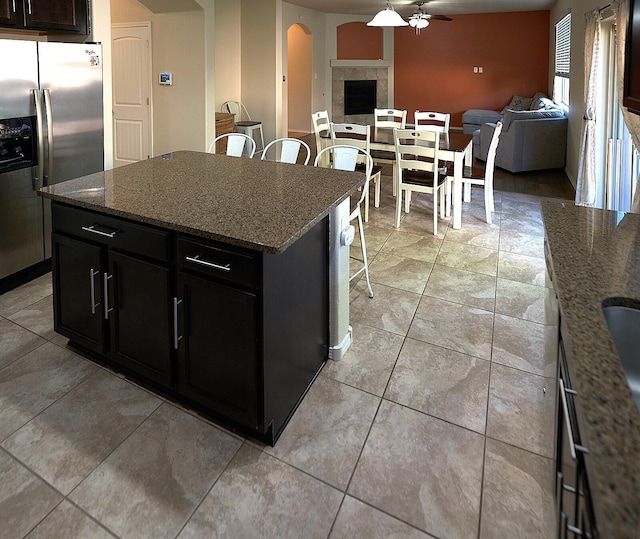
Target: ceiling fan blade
440	17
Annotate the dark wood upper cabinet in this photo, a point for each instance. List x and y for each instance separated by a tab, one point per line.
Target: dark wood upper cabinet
67	16
631	97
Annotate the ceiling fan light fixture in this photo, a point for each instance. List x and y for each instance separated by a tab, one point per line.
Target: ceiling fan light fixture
387	17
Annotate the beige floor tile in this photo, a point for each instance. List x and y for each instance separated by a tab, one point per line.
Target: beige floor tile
391	309
423	471
369	360
522	243
414	246
25	295
398	272
433	380
526	301
475	231
34	382
521	409
70	438
24	498
357	519
453	326
67	521
152	483
37	317
309	442
16	341
468	257
259	496
460	286
374	238
522	268
517	499
525	345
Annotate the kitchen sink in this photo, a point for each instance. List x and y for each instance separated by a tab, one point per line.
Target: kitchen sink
624	327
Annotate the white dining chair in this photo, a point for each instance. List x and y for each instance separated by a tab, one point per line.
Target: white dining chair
243	122
238	145
419	170
359	136
346	157
438	121
390	119
479	176
322	130
289	151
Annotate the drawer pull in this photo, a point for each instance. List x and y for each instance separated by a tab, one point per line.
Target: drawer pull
196	259
92	275
176	337
96	231
572	445
107	309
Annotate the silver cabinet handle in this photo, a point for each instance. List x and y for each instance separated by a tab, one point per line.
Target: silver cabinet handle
196	259
572	445
96	231
29	4
107	309
49	113
92	275
176	338
14	6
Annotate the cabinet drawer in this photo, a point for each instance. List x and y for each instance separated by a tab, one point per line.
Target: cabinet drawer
111	231
218	260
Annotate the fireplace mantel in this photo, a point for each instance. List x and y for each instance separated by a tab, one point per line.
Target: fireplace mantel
360	63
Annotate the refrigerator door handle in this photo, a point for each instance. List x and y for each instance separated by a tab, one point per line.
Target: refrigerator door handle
37	94
47	105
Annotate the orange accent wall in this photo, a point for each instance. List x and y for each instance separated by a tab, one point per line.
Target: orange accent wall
357	41
434	70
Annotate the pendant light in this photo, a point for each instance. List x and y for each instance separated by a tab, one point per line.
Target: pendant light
387	17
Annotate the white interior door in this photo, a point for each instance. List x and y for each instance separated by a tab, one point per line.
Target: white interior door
131	51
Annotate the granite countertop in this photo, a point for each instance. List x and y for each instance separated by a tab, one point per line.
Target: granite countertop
260	205
595	255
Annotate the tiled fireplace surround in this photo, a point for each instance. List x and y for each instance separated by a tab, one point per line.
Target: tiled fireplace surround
354	71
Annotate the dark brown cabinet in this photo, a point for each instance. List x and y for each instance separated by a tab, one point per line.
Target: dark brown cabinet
109	301
236	333
68	16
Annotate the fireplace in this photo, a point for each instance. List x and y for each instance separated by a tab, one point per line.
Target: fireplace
360	96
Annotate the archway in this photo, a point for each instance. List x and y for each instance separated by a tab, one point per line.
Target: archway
299	79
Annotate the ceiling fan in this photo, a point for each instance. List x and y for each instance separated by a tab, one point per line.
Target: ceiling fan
420	18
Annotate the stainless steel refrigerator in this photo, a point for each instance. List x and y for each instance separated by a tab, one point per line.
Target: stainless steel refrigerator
51	130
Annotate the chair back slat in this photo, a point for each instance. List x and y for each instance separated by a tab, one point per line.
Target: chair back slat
437	121
417	150
390	118
289	150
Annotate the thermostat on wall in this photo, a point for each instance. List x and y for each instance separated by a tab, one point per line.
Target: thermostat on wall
166	79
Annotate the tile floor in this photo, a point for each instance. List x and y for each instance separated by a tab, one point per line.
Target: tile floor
435	424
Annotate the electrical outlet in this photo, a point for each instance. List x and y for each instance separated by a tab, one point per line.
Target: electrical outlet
475	69
480	70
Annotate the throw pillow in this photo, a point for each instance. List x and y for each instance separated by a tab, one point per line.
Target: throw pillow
536	103
518	103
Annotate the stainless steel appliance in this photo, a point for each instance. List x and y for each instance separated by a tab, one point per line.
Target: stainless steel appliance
51	130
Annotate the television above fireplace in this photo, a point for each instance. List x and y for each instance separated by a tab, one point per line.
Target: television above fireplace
360	96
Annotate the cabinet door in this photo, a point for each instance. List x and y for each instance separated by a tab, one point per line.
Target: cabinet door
11	12
62	15
141	322
78	299
218	352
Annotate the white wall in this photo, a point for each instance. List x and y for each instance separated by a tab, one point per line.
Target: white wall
227	51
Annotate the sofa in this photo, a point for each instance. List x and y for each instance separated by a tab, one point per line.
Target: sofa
534	136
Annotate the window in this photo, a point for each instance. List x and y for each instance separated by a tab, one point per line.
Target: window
563	61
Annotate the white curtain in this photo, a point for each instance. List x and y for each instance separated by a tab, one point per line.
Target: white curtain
587	181
632	121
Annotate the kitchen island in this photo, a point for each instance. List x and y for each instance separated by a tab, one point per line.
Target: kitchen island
203	276
594	260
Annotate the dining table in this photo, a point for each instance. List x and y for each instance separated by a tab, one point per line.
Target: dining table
455	147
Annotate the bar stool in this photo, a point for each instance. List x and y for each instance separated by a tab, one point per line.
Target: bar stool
247	126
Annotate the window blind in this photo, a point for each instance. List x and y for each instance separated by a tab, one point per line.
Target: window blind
563	45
